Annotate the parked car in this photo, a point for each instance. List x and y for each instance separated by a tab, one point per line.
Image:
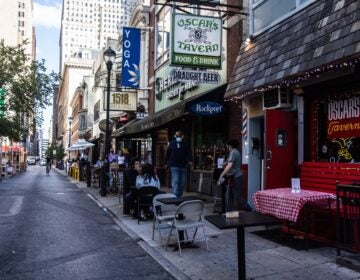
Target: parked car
43	162
31	160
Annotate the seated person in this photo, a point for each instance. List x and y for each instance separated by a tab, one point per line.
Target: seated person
9	168
100	162
129	182
75	163
147	178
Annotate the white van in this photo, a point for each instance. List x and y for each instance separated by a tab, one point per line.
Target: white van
31	160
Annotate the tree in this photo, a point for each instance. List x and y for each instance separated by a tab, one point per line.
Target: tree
28	88
59	151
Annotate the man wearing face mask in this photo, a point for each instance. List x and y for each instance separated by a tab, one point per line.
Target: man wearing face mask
178	156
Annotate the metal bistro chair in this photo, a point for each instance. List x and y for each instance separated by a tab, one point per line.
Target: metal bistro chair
144	198
188	216
162	214
114	170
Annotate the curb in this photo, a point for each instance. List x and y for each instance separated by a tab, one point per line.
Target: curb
349	263
174	271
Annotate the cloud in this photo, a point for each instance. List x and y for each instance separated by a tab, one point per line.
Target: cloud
47	16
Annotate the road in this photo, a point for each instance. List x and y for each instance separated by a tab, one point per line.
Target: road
50	229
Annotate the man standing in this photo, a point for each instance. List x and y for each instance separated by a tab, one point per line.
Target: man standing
233	174
178	156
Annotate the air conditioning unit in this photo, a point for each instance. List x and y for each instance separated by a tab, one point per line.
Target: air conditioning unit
277	98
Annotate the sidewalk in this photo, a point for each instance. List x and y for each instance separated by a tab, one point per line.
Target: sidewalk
270	254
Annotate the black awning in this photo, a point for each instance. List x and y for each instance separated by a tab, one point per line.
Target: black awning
121	130
169	114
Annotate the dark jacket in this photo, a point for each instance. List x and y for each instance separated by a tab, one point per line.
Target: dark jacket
178	154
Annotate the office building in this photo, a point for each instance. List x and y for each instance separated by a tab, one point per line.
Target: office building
87	24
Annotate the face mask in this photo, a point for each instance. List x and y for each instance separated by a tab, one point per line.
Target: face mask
178	139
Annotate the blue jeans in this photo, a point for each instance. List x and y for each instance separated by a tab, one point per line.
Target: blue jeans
178	180
233	195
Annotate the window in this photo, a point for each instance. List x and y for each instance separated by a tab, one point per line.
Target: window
21	14
265	13
163	36
21	23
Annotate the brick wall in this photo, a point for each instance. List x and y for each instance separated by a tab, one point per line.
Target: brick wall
234	41
234	120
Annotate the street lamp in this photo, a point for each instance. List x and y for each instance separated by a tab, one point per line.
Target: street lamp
109	58
70	121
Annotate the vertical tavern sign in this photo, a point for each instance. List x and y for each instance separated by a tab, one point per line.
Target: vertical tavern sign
196	41
130	76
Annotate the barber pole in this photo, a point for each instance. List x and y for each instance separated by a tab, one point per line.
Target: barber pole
244	124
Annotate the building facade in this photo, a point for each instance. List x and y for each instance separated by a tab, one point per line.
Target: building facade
296	78
16	16
87	24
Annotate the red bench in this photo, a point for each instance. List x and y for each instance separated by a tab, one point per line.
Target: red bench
323	176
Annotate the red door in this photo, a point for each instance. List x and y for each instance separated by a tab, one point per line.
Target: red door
280	146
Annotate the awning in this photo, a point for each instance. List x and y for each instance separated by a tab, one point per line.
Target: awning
167	115
160	118
81	144
285	56
121	130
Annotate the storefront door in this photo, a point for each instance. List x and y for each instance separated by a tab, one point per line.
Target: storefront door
280	147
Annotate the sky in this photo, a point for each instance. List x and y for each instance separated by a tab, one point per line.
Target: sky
47	21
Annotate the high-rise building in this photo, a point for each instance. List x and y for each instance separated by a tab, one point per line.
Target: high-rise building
87	24
16	24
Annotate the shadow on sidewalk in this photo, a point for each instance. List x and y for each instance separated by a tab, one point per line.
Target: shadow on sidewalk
284	239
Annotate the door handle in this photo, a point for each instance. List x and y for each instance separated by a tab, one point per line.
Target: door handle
268	159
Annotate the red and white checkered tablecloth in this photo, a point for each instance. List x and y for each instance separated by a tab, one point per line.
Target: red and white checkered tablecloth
284	204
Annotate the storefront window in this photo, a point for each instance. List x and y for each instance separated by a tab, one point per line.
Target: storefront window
266	12
163	36
209	143
338	128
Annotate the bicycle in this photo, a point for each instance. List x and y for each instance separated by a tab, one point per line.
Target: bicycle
48	167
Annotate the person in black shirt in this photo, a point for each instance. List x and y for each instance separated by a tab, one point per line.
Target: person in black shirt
129	182
178	156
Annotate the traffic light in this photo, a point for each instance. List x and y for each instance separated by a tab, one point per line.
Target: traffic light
2	102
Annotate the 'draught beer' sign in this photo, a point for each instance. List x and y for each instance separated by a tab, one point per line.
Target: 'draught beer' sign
344	118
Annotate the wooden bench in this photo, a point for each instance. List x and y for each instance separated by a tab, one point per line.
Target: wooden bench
318	219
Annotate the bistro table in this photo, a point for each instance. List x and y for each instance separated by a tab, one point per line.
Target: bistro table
284	204
179	200
245	219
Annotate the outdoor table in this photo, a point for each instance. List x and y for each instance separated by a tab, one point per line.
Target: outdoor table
284	204
179	200
245	219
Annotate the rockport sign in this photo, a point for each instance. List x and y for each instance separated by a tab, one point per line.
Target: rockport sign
207	108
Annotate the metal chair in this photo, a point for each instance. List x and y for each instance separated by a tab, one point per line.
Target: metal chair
188	216
161	214
144	198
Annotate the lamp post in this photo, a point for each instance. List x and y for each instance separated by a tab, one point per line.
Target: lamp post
70	121
109	58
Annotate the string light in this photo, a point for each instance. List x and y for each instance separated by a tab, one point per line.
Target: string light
299	78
